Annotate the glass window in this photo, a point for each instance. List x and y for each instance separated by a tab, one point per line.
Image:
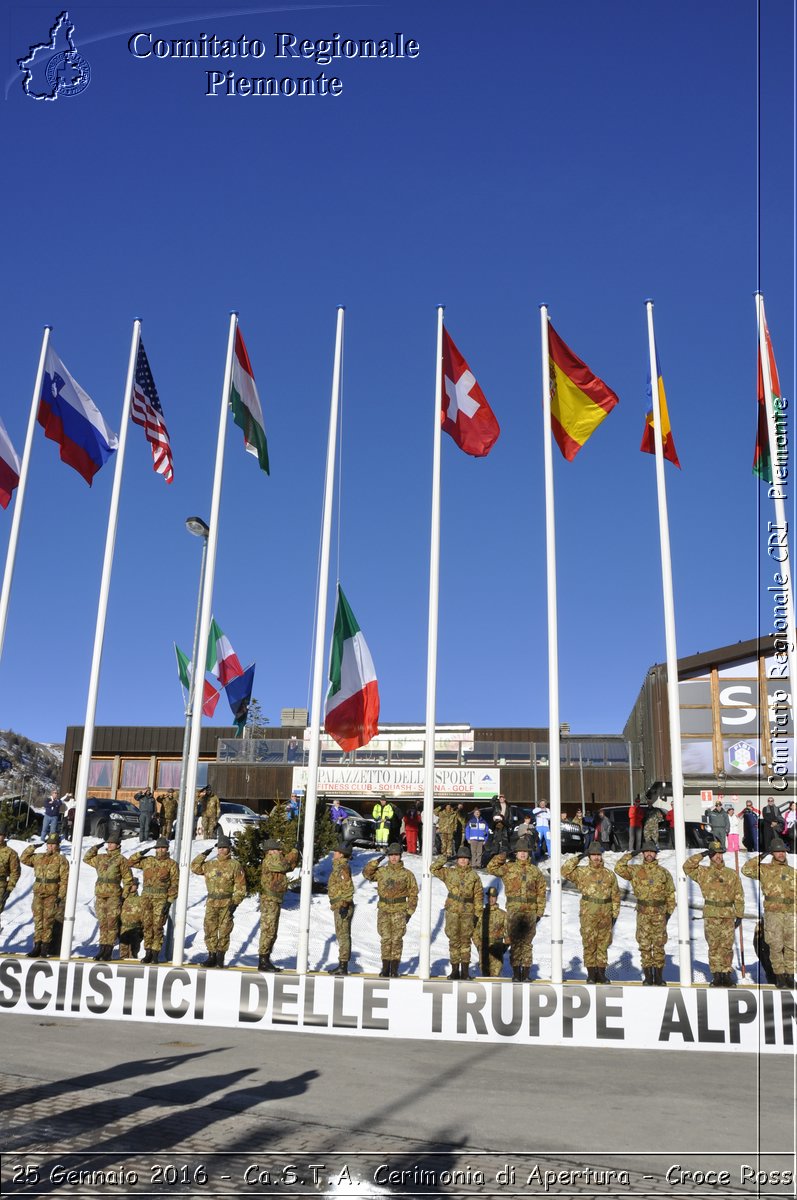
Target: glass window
101	772
168	774
743	721
202	774
514	751
740	670
780	718
694	691
696	720
616	752
697	757
135	773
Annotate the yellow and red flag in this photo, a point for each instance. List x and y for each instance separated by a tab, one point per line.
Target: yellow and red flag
762	460
579	400
648	437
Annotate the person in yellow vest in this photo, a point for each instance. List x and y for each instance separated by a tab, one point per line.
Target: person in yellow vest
383	813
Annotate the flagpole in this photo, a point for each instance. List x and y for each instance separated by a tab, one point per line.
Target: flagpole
777	492
427	847
81	787
311	794
198	672
674	712
13	537
554	767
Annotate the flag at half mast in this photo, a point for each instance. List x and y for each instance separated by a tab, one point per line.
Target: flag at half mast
579	400
762	461
245	404
352	708
649	436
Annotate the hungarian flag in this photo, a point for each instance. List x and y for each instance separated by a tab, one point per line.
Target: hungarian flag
222	660
579	400
648	437
211	696
465	414
352	709
245	404
762	462
9	467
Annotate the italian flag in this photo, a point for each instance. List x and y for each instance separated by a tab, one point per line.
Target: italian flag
222	660
211	696
352	711
245	404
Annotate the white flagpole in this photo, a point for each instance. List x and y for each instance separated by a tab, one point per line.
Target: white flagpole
777	492
311	794
425	947
676	768
81	788
553	667
198	669
13	537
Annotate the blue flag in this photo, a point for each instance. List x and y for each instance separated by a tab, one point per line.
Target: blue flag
239	694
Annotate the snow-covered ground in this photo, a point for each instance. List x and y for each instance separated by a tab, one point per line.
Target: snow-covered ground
624	963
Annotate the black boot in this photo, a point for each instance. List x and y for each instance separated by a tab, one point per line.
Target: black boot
454	971
658	977
592	975
264	963
100	955
394	968
602	976
730	979
46	950
341	969
35	951
219	958
108	955
385	972
649	979
464	970
147	956
210	961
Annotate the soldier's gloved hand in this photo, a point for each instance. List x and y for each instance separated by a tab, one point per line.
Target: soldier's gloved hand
737	922
205	853
344	910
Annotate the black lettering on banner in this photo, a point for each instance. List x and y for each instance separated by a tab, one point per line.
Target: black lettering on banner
605	1012
340	1019
539	993
246	1010
201	982
676	1018
170	1007
286	991
98	979
507	1028
470	1002
436	991
788	1014
60	995
35	970
704	1033
152	990
570	1010
130	975
77	988
8	969
742	1009
375	995
768	1004
311	1017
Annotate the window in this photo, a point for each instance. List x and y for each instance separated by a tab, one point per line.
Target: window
135	773
101	773
168	774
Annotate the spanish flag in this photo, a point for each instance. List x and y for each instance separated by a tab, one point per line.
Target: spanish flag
579	400
648	437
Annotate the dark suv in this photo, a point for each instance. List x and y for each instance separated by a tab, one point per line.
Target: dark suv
698	834
121	814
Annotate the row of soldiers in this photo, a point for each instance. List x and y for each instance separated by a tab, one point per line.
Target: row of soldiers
123	913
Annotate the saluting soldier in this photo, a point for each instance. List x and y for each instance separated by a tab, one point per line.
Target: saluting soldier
524	884
273	886
340	892
723	909
463	907
226	884
113	874
779	884
600	908
211	811
398	899
130	932
161	881
168	813
490	937
446	824
50	880
655	902
9	868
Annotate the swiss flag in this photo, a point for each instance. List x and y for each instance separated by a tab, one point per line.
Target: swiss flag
465	413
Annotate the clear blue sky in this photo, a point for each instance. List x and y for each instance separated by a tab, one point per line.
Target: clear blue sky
588	155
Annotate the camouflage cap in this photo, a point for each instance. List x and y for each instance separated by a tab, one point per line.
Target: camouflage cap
52	839
649	847
161	842
344	850
523	844
114	835
490	891
778	846
394	848
223	843
594	848
715	848
271	844
464	851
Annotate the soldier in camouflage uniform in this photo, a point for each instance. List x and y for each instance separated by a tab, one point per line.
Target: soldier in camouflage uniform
490	936
655	902
161	880
113	874
779	884
130	932
168	813
398	899
653	819
226	884
50	879
600	908
524	884
463	908
340	891
723	909
273	886
9	868
211	811
446	824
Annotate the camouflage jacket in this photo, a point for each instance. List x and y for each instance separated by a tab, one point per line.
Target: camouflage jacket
131	912
340	888
274	871
50	871
168	808
721	888
9	868
523	882
211	807
113	870
652	883
395	885
463	885
496	924
778	883
224	878
161	875
650	830
447	822
597	885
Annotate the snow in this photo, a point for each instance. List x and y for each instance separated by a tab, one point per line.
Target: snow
624	963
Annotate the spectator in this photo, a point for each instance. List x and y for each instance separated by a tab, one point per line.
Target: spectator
771	822
603	830
476	833
750	826
293	749
636	819
337	814
669	817
789	824
542	819
497	842
294	805
52	811
735	828
146	811
501	808
412	829
719	823
69	803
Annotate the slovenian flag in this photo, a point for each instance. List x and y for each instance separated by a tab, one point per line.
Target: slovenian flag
70	417
9	467
352	709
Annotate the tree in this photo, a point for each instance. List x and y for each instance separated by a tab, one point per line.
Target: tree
278	826
256	723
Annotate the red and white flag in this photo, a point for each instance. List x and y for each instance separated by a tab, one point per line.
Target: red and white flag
9	467
222	661
465	413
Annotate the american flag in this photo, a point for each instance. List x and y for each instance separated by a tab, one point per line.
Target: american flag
145	409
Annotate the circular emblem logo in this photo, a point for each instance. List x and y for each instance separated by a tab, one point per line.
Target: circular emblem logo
68	73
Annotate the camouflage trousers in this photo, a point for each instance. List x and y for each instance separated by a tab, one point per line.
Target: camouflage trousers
391	923
459	930
269	924
719	935
108	910
46	911
651	935
154	911
596	933
521	925
447	844
491	954
343	933
130	942
3	897
218	925
779	930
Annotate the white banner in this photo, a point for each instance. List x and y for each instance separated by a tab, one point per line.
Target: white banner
467	783
756	1021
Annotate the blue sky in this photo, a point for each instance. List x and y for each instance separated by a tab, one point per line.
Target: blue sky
587	155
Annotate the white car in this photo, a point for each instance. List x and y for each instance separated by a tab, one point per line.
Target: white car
234	818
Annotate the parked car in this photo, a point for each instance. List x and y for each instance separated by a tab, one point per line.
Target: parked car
572	834
235	818
102	814
698	833
355	829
